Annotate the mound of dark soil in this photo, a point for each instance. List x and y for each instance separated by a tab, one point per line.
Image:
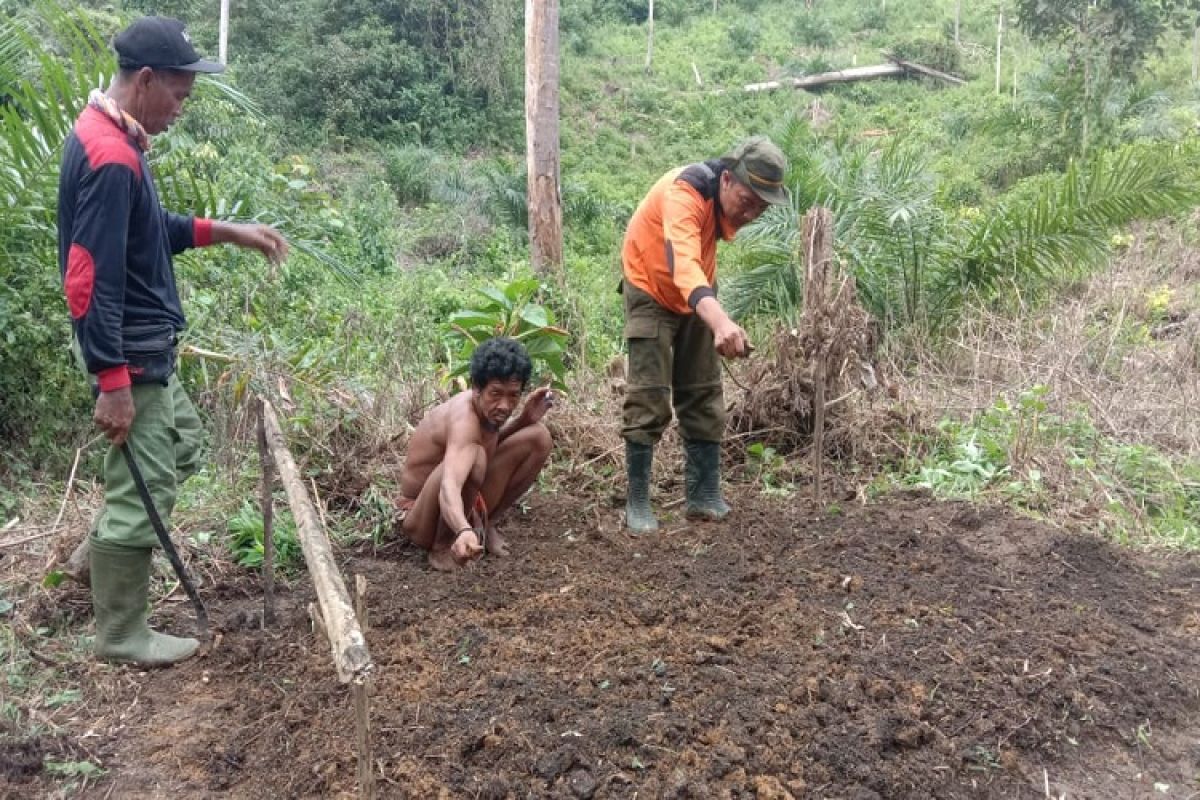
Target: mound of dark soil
903	650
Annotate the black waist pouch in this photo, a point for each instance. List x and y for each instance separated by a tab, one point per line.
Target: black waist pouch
150	351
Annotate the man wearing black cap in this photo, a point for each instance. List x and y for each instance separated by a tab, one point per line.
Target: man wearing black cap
674	326
115	248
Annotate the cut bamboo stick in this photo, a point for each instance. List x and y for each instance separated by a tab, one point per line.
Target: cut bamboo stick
350	654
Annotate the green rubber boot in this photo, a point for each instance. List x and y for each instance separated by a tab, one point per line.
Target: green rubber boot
120	589
639	517
702	478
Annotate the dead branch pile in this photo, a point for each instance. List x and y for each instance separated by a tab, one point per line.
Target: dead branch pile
827	364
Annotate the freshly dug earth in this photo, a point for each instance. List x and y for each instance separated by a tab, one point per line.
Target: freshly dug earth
909	649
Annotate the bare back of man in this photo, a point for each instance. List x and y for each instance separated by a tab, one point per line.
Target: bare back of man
468	462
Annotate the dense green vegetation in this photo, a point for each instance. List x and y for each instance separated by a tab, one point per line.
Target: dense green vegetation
385	137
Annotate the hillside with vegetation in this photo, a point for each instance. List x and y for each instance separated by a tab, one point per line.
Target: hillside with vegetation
1011	499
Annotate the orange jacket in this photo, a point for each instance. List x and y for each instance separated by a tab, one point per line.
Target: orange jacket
670	249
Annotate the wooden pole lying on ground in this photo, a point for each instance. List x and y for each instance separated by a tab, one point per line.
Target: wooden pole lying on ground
350	654
896	68
817	231
825	78
334	614
921	69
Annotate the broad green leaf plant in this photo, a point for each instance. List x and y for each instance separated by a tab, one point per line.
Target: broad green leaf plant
511	311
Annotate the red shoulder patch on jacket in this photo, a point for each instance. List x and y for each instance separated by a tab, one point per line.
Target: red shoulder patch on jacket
105	143
79	280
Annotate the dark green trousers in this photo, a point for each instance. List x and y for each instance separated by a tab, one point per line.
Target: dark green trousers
672	362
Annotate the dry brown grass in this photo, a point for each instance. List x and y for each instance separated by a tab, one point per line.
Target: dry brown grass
1123	346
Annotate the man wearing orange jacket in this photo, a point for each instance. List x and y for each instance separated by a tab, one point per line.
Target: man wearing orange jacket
674	326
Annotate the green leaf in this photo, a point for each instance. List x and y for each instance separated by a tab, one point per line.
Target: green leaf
535	315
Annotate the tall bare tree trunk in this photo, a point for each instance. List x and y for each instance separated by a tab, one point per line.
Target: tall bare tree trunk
223	35
541	135
999	45
1196	56
650	37
957	22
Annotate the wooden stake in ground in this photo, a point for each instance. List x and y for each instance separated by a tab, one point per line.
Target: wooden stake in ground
816	233
650	37
223	34
360	692
999	46
268	516
541	135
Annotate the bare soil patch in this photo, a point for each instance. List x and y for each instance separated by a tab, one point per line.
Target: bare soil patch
909	649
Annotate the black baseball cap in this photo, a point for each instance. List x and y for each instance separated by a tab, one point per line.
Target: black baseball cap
160	43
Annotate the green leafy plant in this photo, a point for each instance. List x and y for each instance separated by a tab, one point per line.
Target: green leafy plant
246	542
72	769
509	311
915	262
769	465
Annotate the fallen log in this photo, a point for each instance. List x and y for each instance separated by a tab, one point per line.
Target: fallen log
896	68
350	654
928	72
824	78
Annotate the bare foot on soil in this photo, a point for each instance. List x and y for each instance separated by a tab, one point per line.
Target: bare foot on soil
497	545
442	560
466	548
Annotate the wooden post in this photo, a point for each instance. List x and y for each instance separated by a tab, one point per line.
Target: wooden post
999	45
223	33
268	517
650	37
360	692
1196	55
816	233
541	135
360	602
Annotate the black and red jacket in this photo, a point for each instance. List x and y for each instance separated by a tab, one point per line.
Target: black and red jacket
115	243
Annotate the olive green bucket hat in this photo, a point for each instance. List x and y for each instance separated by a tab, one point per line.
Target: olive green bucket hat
761	166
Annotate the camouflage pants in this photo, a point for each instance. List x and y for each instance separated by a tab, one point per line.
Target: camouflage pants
672	362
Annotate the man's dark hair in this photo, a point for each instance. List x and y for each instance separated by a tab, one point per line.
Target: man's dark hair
500	359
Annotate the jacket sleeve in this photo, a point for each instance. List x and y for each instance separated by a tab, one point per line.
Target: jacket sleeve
94	281
185	232
683	222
